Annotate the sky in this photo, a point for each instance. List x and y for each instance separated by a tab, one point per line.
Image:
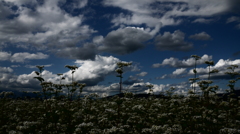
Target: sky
157	36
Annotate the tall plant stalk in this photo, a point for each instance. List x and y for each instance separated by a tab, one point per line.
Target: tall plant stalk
59	86
209	63
195	71
39	77
119	70
72	68
150	86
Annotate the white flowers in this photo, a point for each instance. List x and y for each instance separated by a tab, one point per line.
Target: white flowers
6	94
85	125
120	115
229	131
138	107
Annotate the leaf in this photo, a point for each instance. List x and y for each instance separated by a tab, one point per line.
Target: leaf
196	57
39	78
71	67
194	71
37	73
209	63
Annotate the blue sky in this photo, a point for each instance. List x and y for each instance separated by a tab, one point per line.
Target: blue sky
157	36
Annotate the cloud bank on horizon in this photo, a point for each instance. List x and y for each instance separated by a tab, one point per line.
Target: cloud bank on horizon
95	35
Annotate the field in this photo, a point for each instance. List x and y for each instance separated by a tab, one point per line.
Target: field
121	115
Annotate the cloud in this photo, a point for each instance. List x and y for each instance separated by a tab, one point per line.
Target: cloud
5	56
7	79
175	62
203	20
167	12
6	70
15	66
93	72
201	36
172	42
5	11
102	90
138	19
179	71
43	24
202	72
198	7
224	63
125	41
221	66
34	66
161	88
142	74
21	2
21	57
234	6
233	19
80	4
90	72
156	65
131	80
140	88
163	76
98	39
28	79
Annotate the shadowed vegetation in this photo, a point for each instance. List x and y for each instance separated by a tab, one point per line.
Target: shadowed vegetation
124	113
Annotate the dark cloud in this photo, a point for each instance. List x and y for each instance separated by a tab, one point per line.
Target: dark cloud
131	80
201	36
217	77
236	53
93	82
234	6
172	42
125	41
4	11
88	51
